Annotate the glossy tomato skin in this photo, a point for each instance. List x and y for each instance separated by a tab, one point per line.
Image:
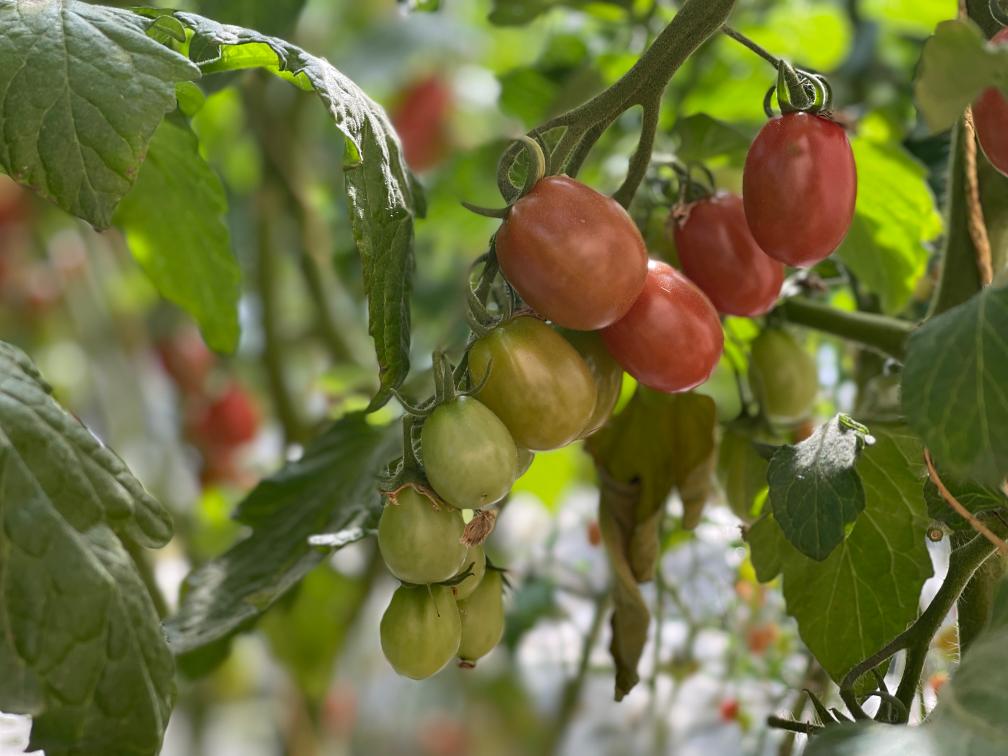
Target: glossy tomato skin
535	382
783	377
482	615
718	253
469	456
799	187
420	630
605	370
574	255
990	115
420	542
671	340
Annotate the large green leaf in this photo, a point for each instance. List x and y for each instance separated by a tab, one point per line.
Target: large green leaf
382	193
333	487
81	648
742	472
955	387
82	89
657	444
174	225
895	216
956	65
866	592
815	492
971	718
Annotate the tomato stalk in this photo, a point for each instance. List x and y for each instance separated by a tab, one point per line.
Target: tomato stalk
879	332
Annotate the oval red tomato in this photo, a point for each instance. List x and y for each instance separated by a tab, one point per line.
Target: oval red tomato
990	115
421	120
718	253
574	255
671	339
799	187
231	419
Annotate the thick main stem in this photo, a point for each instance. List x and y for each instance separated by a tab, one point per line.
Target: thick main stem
884	334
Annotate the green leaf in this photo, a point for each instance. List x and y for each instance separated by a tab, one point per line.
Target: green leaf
273	17
815	492
83	89
866	592
971	718
382	193
333	487
742	473
81	647
521	12
973	496
956	65
657	444
702	138
895	216
955	387
174	225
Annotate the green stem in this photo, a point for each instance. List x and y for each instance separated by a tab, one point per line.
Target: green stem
639	161
884	334
773	60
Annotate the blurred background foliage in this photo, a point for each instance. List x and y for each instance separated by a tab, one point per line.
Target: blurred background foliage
200	429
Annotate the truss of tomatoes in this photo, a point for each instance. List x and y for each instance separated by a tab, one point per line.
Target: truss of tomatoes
600	306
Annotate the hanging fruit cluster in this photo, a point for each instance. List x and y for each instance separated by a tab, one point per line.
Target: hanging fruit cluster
578	303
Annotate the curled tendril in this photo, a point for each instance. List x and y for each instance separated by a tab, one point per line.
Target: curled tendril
798	91
999	10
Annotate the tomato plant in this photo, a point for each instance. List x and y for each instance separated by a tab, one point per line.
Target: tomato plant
573	254
799	188
718	253
218	418
671	338
535	382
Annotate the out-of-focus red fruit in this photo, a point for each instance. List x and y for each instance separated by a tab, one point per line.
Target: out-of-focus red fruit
594	533
14	202
229	420
752	593
40	290
761	637
421	120
803	431
442	736
729	710
186	359
339	713
937	681
219	466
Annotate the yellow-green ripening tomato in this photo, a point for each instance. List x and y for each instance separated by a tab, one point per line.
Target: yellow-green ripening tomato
482	618
468	454
421	630
722	387
535	382
477	558
783	377
605	370
419	540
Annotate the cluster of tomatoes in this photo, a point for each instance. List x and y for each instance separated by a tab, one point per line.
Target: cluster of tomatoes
551	373
219	417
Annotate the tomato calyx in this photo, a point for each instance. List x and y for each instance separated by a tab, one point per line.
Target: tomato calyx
798	91
536	172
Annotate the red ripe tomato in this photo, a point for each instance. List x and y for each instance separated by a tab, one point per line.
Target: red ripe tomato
186	359
573	254
671	339
799	187
729	710
990	115
718	253
231	419
421	120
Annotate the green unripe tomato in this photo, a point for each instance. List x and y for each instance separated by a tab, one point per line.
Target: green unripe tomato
722	387
783	377
419	541
468	454
605	370
535	382
421	630
525	460
482	618
477	558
